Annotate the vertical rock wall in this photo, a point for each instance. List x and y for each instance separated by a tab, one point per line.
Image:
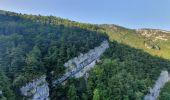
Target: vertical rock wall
78	66
154	92
38	89
91	58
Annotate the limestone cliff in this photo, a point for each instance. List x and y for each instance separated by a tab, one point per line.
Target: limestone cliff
154	92
78	66
36	90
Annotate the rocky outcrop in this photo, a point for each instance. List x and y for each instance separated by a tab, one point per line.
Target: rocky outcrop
154	92
152	45
36	90
88	60
154	34
78	66
85	69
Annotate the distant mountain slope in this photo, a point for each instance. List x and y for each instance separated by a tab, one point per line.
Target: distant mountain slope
153	41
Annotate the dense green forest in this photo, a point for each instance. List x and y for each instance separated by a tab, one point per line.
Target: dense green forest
165	93
34	45
124	73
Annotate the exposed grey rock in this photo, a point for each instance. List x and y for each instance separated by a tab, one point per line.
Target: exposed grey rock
36	90
154	92
0	93
78	66
85	69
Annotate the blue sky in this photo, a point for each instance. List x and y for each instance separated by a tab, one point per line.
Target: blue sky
128	13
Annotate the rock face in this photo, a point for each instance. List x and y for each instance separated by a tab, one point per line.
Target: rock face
0	93
155	34
78	66
36	90
154	92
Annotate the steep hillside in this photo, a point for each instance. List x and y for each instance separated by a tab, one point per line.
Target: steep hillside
124	73
32	46
153	41
36	47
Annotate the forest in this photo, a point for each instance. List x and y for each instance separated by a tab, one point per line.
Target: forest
124	73
165	93
34	45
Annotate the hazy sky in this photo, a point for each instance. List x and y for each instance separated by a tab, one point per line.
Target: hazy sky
128	13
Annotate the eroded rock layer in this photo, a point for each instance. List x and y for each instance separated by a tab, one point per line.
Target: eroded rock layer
154	92
78	66
36	90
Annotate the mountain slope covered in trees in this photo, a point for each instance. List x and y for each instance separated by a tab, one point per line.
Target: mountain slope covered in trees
34	45
124	73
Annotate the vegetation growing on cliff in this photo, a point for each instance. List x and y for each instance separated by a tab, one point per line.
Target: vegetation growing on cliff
124	73
35	45
31	46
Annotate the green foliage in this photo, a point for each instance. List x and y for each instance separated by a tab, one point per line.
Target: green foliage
96	95
165	92
7	93
72	95
32	46
124	73
34	61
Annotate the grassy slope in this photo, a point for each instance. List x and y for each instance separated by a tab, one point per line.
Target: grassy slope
134	39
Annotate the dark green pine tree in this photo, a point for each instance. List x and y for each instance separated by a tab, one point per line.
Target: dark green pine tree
72	93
